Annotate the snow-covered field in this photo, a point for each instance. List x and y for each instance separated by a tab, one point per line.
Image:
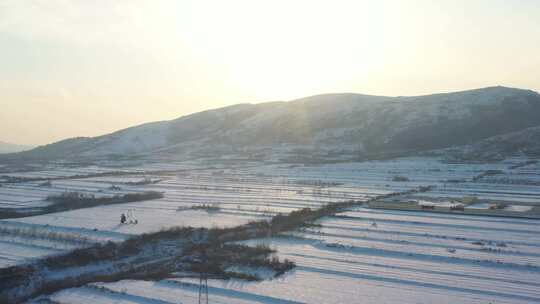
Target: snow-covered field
363	255
240	195
405	257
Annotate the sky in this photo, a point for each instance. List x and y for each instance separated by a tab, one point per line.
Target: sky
84	68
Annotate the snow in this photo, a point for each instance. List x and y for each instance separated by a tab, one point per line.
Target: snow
107	218
259	272
518	208
424	259
252	192
329	122
480	206
142	138
378	256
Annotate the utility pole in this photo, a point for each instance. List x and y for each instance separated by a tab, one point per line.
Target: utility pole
203	278
203	289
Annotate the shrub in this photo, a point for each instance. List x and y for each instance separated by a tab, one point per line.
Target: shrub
207	207
399	178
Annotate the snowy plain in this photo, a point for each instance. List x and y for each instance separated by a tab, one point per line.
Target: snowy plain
359	256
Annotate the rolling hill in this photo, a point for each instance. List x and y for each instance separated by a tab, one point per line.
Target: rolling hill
348	124
12	148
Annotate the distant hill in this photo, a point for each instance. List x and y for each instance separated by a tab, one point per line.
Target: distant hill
331	124
11	148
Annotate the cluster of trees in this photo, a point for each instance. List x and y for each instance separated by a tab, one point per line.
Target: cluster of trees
77	200
400	178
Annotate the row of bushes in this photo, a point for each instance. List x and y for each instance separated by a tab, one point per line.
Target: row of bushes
77	200
37	233
206	207
486	173
18	179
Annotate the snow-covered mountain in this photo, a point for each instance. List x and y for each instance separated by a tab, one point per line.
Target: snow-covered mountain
355	124
524	142
12	148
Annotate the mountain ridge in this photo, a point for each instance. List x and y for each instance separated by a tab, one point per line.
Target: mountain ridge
6	147
354	124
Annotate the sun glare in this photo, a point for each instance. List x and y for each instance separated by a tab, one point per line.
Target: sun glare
188	56
283	49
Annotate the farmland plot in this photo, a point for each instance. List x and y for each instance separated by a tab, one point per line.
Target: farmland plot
375	255
405	258
237	197
510	182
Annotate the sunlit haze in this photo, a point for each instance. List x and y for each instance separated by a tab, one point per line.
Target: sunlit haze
86	68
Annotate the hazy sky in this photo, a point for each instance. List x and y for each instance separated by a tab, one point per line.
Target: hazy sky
84	68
